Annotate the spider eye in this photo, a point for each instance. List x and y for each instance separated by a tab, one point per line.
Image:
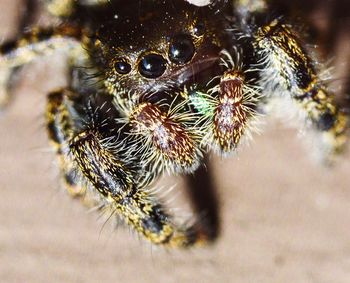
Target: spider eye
181	49
152	66
199	29
122	67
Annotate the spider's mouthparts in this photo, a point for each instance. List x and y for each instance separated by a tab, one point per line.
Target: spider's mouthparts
168	137
230	116
205	63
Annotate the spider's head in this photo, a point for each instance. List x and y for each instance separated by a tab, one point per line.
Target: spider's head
155	46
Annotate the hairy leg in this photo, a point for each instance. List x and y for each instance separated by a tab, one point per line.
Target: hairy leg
60	129
227	111
40	42
290	72
99	159
31	45
66	8
247	7
136	206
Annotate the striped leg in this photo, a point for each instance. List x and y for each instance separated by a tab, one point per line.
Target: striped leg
61	8
31	45
251	6
136	206
290	72
99	160
228	109
245	8
60	129
66	8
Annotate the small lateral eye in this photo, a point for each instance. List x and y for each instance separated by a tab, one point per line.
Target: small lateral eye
181	49
152	66
122	67
199	29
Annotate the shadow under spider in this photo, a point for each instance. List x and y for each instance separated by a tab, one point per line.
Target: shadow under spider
203	196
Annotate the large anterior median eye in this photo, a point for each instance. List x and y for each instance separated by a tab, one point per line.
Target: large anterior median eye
181	49
152	66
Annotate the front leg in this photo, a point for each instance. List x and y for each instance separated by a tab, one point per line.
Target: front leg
60	128
33	44
135	205
247	7
289	72
40	42
92	149
67	8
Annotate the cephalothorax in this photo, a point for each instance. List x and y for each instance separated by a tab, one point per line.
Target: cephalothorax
157	84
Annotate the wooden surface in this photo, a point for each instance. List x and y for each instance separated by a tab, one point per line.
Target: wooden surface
283	218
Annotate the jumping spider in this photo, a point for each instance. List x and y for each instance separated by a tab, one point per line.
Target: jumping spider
157	84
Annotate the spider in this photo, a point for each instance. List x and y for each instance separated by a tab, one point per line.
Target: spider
155	85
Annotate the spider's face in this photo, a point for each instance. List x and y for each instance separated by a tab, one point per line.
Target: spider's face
158	49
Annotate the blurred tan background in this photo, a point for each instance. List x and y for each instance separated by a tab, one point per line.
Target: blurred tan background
281	216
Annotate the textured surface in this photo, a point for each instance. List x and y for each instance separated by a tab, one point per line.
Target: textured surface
283	218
